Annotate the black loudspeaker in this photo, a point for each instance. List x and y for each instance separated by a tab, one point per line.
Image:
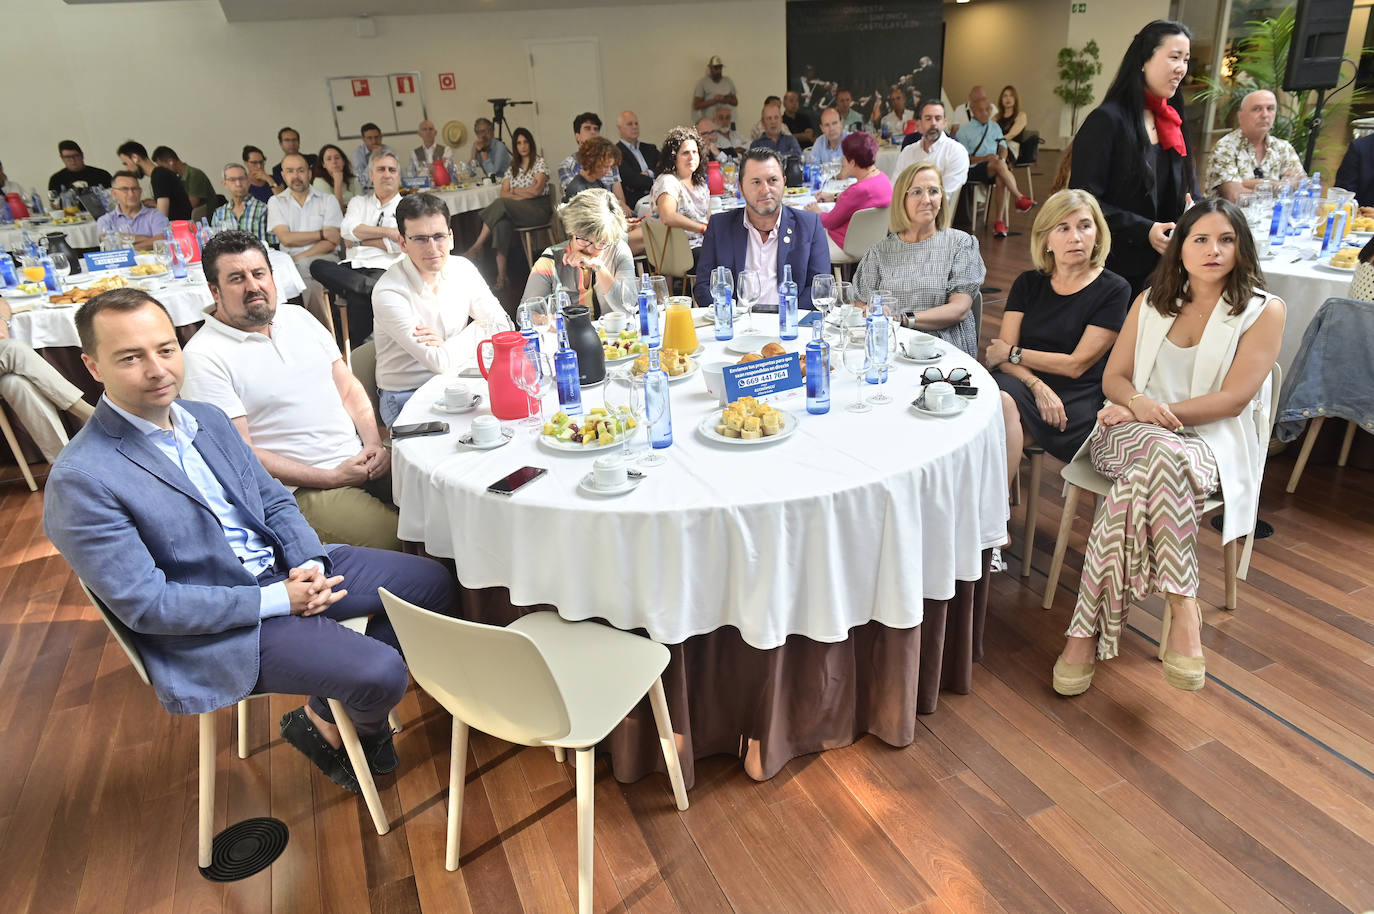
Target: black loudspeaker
1314	56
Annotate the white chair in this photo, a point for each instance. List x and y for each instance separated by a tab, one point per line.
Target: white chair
551	228
540	681
668	252
208	746
866	228
1080	475
18	452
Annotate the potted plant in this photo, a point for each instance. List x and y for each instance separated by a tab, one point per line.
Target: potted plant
1076	72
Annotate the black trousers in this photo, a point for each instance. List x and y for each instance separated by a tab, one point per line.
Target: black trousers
355	285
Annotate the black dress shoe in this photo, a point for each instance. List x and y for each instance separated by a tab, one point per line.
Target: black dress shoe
297	730
381	755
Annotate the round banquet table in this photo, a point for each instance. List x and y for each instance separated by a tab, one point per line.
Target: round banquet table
887	159
79	235
41	326
791	580
467	199
1304	286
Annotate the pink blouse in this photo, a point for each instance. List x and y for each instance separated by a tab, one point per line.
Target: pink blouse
875	190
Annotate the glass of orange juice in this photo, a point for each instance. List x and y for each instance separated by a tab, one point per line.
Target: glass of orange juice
33	269
678	331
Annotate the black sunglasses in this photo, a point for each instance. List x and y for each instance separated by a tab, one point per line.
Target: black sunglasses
959	377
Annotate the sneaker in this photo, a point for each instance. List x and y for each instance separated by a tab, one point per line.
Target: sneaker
297	730
998	563
1024	204
999	229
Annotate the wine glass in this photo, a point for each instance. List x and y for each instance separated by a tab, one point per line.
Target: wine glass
623	395
62	267
533	373
748	288
854	358
882	309
823	294
660	286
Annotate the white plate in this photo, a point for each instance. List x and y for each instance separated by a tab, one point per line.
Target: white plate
1328	265
572	446
586	484
465	440
441	407
673	379
707	429
753	342
903	357
623	359
961	405
12	295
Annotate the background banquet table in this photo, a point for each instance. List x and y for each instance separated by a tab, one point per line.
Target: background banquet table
468	199
42	326
887	160
791	580
79	235
1303	286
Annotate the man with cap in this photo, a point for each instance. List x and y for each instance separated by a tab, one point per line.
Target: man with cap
713	90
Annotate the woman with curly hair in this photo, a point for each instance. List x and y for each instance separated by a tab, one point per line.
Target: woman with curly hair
679	197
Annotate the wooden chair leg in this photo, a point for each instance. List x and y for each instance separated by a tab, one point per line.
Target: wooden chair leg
1037	467
586	783
1313	429
1350	427
242	712
457	771
1061	543
360	769
18	454
668	741
1232	555
207	786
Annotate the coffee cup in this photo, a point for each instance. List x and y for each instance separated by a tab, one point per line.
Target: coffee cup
713	375
457	395
614	321
486	430
919	346
940	396
609	472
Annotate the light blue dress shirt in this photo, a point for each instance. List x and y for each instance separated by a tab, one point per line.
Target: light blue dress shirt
252	550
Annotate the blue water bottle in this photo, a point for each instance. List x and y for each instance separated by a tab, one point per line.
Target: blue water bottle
529	333
178	258
1277	232
648	312
50	276
6	214
787	305
876	338
723	302
7	271
565	373
817	371
1334	233
656	392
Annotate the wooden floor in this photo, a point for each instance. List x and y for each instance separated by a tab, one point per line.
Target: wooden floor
1254	795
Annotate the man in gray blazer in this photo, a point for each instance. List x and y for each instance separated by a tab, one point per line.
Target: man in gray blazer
162	509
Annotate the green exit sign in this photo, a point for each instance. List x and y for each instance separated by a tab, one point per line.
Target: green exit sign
1078	7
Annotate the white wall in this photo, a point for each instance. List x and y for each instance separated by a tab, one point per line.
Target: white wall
179	74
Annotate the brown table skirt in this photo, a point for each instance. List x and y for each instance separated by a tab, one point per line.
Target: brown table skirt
768	707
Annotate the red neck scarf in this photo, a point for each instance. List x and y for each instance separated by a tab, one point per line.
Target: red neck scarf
1168	124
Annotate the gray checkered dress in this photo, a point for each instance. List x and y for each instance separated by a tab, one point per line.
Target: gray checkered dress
924	274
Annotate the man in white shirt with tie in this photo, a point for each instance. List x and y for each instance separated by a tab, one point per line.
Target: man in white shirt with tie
431	309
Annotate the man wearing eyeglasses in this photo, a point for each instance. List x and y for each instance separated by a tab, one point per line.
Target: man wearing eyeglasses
430	309
710	141
279	377
130	216
75	172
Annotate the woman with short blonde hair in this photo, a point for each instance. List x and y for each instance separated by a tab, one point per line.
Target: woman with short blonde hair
932	271
1060	322
594	266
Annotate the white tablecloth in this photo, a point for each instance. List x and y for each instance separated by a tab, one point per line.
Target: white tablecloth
80	235
185	300
855	517
1303	286
468	199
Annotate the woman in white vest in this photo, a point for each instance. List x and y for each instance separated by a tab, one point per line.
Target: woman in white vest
1185	415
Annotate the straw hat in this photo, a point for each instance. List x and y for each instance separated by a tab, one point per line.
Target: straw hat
455	133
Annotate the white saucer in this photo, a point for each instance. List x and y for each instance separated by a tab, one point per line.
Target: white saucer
961	405
587	484
903	357
465	440
753	342
441	407
14	295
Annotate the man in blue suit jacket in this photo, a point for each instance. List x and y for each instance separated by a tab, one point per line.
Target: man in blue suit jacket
160	506
764	236
1356	172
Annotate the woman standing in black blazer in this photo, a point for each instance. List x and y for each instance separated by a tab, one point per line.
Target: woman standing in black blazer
1132	152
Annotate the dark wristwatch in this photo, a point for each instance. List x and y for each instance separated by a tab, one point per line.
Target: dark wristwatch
1015	357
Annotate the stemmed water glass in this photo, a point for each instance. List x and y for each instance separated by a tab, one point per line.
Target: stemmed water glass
854	358
62	267
748	288
623	395
883	363
659	285
823	294
162	254
532	372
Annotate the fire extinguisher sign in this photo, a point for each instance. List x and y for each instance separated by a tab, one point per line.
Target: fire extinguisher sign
361	88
